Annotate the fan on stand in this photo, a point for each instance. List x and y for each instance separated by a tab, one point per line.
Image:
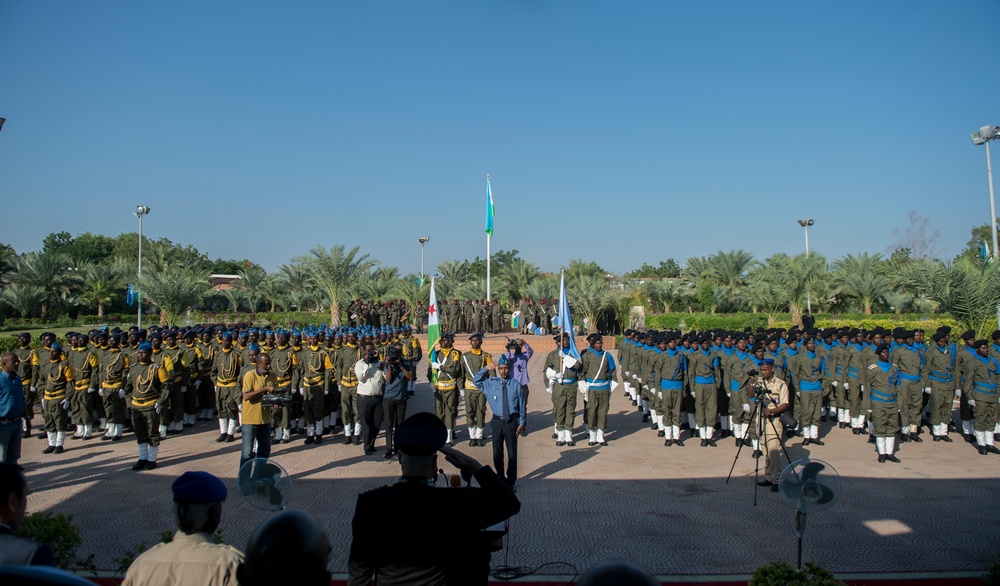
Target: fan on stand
264	484
811	486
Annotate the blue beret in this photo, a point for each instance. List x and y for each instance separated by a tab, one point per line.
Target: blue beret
254	331
198	488
768	361
282	331
56	346
253	346
243	335
269	333
145	346
421	434
296	332
227	334
156	337
503	360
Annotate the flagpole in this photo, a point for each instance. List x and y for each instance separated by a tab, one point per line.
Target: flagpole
488	237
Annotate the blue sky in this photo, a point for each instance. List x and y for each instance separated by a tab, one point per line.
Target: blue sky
620	132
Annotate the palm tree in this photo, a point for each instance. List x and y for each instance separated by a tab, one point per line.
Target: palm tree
175	291
667	293
475	289
24	298
50	271
728	270
409	290
579	268
515	278
455	272
768	287
543	287
335	271
235	297
589	296
858	276
969	291
252	281
273	292
103	283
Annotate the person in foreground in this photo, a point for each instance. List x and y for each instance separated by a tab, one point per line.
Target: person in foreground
191	557
429	546
288	548
17	551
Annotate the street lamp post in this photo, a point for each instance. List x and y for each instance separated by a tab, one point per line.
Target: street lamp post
983	136
805	224
139	212
422	240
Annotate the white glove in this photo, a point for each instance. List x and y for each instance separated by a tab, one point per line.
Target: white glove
550	373
586	396
121	393
746	407
834	384
33	389
158	408
197	384
302	391
847	386
869	410
548	389
659	394
92	390
927	390
436	365
325	392
958	393
628	373
65	403
645	387
184	388
972	402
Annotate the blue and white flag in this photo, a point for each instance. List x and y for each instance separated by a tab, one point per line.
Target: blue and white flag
985	251
130	295
564	320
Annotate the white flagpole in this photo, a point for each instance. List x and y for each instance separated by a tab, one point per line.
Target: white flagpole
488	255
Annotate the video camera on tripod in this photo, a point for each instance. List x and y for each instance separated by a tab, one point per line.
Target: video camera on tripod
760	393
275	400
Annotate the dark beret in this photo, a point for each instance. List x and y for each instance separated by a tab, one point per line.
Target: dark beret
421	434
197	488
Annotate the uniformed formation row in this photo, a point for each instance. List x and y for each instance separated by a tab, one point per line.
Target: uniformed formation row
894	380
469	316
162	381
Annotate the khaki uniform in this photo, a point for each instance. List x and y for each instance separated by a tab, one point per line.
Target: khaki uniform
188	559
55	376
777	392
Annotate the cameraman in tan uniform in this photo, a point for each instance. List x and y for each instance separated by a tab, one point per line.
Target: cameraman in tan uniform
775	403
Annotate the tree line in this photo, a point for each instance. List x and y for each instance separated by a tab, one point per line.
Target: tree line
88	274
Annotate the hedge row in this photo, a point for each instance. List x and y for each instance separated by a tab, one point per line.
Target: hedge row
740	321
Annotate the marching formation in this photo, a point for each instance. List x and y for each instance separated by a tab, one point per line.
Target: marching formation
880	384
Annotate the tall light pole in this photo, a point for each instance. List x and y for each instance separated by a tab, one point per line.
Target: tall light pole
422	240
139	212
983	136
805	224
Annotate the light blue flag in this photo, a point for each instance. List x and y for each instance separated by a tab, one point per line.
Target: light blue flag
564	320
984	251
489	208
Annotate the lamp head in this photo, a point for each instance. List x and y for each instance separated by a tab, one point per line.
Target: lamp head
141	210
805	223
423	239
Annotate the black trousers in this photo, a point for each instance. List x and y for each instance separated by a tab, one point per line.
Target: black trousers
395	413
370	413
505	432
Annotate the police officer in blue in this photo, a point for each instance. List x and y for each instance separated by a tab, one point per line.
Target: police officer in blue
503	395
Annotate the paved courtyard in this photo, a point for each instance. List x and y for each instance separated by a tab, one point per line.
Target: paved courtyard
666	509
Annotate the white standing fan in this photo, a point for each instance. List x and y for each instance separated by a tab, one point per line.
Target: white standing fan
811	486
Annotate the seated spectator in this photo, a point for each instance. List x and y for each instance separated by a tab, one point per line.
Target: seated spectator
17	551
192	557
289	548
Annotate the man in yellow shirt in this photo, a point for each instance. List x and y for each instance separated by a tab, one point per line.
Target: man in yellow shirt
257	417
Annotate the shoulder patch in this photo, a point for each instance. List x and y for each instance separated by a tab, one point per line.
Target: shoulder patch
871	366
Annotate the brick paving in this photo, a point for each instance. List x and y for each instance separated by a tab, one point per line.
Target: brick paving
666	509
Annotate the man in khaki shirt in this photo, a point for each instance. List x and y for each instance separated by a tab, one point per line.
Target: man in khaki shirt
192	557
775	404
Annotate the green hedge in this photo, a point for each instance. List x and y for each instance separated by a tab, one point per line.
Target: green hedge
739	321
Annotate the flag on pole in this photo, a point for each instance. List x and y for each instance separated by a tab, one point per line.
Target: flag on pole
433	328
985	251
489	208
130	295
564	320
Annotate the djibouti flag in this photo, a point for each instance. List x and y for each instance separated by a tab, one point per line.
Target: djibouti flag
489	208
433	330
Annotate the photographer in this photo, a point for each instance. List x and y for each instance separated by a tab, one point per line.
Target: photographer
256	415
518	354
371	378
399	374
773	401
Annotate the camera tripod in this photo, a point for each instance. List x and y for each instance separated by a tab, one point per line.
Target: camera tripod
761	399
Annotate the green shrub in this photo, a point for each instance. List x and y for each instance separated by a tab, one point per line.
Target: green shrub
785	574
667	321
57	531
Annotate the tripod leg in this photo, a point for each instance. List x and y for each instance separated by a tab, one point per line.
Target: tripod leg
738	450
